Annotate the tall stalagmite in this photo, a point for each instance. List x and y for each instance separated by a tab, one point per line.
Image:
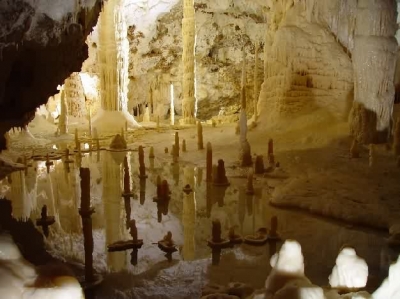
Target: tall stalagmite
63	121
113	59
188	60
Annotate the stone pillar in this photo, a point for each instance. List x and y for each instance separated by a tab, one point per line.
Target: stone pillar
63	121
374	63
188	60
74	95
256	83
113	60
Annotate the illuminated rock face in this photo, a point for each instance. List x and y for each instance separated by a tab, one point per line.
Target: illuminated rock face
350	271
390	288
316	50
18	278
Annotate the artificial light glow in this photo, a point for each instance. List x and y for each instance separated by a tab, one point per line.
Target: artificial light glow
86	146
55	147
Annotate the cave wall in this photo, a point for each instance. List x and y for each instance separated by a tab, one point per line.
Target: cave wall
222	29
41	44
330	55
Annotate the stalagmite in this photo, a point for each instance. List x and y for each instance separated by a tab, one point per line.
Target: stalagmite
270	146
209	165
250	188
151	153
188	60
256	83
200	145
86	212
20	202
90	121
177	144
371	157
63	119
245	150
259	165
142	167
113	63
166	150
184	145
76	139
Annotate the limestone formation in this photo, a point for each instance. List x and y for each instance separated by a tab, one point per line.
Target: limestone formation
270	146
151	153
256	82
74	96
76	139
199	136
184	145
250	187
63	119
219	178
166	150
245	150
118	143
177	143
142	167
259	165
188	61
113	60
371	157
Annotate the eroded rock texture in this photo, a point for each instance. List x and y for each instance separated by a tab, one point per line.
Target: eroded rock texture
41	44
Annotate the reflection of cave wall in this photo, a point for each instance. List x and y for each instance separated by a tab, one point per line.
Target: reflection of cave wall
37	54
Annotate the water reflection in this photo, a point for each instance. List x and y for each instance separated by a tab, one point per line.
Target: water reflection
188	215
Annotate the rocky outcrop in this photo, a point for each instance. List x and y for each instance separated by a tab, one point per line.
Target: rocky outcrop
41	44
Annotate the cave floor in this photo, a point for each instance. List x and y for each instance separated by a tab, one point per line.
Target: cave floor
316	175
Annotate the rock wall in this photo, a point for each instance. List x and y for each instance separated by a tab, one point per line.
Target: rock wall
41	43
320	55
222	29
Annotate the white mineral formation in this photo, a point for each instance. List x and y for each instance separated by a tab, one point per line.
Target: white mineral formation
19	279
63	119
113	59
146	115
350	271
188	60
21	205
256	83
315	51
390	288
287	279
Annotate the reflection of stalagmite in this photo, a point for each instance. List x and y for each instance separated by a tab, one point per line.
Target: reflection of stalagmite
189	215
21	207
112	209
188	59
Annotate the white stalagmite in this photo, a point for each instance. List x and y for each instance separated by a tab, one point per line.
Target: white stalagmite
350	271
113	58
390	288
189	216
188	60
63	120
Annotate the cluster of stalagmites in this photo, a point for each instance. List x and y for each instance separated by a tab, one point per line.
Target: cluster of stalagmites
288	281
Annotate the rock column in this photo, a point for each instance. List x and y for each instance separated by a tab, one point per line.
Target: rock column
188	60
113	58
